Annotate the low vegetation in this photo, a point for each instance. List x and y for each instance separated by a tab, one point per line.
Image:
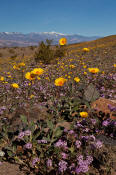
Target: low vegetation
47	124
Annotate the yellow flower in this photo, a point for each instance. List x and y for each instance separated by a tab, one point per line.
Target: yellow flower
93	70
31	96
114	65
21	64
62	41
14	67
69	76
38	78
30	76
60	81
15	85
84	114
47	78
84	66
77	79
37	71
72	66
85	73
2	78
86	49
9	76
62	67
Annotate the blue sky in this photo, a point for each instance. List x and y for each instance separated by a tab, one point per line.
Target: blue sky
84	17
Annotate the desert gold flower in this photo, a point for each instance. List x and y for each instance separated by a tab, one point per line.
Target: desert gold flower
84	114
30	76
114	65
77	79
62	41
93	70
84	66
47	78
60	81
38	78
72	66
15	85
2	78
9	76
31	96
86	49
85	73
69	76
37	71
15	67
21	64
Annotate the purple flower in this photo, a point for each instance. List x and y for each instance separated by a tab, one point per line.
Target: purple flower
64	155
35	160
93	121
92	137
98	144
71	132
105	123
78	170
86	129
89	160
49	163
85	138
72	166
79	125
65	130
27	133
28	145
82	168
62	166
80	158
42	141
21	135
111	108
61	143
78	143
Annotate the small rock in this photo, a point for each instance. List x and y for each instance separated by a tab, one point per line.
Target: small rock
101	104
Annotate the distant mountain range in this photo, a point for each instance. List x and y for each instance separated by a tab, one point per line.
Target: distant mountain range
13	39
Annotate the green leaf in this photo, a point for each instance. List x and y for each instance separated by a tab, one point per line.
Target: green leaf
71	149
47	139
50	124
32	126
58	132
10	153
24	119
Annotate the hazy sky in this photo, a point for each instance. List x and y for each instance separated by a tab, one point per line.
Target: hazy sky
84	17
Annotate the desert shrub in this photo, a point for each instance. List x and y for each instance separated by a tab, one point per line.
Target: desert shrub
60	51
46	54
1	54
11	51
13	56
32	47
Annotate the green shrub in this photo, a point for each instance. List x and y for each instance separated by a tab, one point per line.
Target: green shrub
46	53
11	51
1	54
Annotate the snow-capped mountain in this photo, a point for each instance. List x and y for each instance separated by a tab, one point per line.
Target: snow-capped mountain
11	39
